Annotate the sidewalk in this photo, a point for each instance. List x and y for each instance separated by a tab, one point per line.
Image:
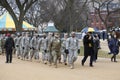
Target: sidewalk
103	69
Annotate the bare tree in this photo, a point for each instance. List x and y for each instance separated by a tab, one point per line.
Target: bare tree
99	5
21	6
2	10
67	14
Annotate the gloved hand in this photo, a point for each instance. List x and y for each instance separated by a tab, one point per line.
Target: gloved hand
17	45
66	51
78	51
33	48
23	47
45	51
30	48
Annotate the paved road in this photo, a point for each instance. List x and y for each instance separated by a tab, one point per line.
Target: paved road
104	69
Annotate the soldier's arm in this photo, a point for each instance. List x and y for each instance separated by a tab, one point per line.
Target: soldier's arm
39	43
67	43
78	43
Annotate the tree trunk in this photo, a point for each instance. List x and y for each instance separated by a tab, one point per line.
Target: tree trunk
18	26
19	23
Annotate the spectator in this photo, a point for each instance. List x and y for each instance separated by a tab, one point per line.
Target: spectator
9	45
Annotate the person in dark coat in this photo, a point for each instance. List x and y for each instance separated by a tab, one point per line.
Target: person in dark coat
114	43
108	40
103	35
88	48
9	45
96	46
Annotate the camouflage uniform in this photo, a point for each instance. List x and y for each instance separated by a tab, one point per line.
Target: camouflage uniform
33	45
37	51
44	47
63	48
55	49
72	46
25	46
50	38
2	44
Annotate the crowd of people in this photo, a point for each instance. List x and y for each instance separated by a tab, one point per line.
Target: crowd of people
53	47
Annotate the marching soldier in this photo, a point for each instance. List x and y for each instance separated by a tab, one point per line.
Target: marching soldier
44	47
63	48
33	45
26	46
50	38
55	49
37	47
73	48
18	46
23	45
3	39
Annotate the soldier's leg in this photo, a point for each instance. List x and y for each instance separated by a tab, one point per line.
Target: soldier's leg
26	54
59	56
46	57
34	52
31	54
23	53
37	54
71	55
19	53
54	58
0	51
65	58
75	56
50	58
43	56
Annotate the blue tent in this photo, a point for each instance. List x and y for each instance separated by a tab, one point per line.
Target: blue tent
89	29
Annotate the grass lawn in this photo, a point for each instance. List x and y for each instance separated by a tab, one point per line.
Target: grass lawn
101	53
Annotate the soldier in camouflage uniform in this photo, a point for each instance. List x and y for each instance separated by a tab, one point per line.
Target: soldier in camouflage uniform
18	46
73	47
33	45
26	46
63	48
23	45
55	49
49	37
3	43
44	47
37	51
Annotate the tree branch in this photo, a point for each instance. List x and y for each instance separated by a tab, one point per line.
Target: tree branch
19	4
